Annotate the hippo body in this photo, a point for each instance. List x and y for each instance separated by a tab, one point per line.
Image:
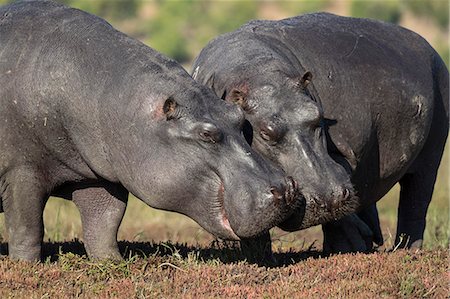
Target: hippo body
90	114
375	93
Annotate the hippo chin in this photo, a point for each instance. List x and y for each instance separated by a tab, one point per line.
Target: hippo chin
339	102
91	114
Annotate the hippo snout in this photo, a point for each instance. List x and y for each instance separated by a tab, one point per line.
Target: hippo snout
338	200
320	209
333	202
287	194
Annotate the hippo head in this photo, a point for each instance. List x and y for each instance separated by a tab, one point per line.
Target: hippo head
184	154
286	125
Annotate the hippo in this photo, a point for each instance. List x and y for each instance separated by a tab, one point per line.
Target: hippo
90	114
346	106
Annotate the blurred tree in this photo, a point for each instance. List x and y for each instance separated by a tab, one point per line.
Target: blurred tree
182	23
117	9
181	28
438	10
303	6
166	29
388	11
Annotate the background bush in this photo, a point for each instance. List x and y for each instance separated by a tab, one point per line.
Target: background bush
180	29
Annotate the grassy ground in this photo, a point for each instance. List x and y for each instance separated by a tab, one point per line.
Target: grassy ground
178	272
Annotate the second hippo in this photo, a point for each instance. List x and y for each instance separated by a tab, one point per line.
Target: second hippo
339	102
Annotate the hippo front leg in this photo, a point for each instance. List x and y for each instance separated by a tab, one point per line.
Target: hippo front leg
24	198
258	250
102	209
353	233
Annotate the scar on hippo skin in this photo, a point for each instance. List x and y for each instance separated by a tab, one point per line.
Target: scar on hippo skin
194	75
305	80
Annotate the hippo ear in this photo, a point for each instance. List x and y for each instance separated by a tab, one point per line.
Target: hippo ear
238	97
305	79
170	108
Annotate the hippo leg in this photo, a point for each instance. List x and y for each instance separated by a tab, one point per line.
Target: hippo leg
415	196
416	190
370	217
349	234
416	186
258	250
24	199
102	209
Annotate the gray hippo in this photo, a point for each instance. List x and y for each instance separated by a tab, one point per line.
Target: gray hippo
90	114
334	99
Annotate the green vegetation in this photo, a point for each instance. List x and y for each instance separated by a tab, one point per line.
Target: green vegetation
117	9
183	27
185	274
180	29
437	10
382	10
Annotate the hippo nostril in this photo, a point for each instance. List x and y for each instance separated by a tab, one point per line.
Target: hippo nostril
334	205
292	183
345	194
291	192
277	195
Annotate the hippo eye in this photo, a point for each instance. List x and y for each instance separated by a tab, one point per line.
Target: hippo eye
269	134
211	134
272	132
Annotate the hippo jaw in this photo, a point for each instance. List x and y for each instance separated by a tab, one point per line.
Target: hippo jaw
253	206
223	218
326	187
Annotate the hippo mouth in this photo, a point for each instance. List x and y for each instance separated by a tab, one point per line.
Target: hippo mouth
319	211
223	218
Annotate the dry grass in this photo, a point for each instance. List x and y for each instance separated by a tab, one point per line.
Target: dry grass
195	274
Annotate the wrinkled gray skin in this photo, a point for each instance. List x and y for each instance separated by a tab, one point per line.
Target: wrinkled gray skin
337	102
88	113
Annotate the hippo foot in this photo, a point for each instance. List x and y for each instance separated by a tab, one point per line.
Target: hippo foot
402	242
258	250
25	253
349	234
111	254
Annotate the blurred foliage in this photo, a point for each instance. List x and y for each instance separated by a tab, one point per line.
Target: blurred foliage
116	9
181	28
302	6
382	10
113	9
438	10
